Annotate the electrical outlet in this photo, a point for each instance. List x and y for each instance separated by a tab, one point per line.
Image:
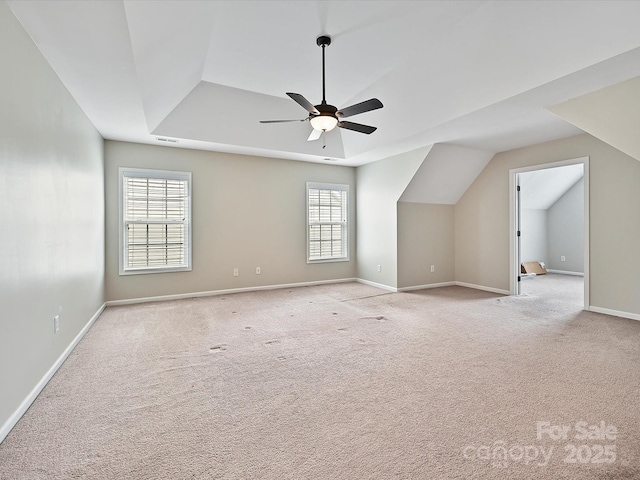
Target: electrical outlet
236	272
56	324
563	258
433	268
379	268
258	271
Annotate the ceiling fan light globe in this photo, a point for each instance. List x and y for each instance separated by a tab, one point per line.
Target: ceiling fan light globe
324	122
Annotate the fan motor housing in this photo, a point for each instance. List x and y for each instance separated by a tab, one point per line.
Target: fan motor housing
326	109
323	41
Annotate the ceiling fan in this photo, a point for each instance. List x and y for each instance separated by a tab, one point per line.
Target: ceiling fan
325	117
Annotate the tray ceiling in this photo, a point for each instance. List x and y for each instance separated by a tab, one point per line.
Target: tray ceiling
470	73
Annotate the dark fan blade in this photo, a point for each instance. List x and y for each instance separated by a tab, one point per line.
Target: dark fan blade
304	103
357	127
283	121
372	104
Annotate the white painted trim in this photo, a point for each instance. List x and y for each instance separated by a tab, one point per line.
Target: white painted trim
180	296
150	173
482	287
587	234
26	403
164	298
565	272
424	287
514	258
377	285
330	186
513	254
615	313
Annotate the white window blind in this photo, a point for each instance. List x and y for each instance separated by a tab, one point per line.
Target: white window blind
155	212
327	211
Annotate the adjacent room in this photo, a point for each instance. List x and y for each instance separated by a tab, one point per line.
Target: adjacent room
279	239
552	232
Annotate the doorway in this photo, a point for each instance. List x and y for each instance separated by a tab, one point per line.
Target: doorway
549	222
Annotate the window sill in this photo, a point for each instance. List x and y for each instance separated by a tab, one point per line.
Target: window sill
328	260
145	271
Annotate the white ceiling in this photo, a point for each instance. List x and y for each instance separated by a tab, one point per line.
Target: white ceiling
540	189
477	74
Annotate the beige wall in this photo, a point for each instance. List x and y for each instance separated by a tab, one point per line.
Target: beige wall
52	217
425	237
565	222
380	185
482	220
247	212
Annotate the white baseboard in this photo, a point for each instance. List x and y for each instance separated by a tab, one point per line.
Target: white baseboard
482	287
377	285
565	272
164	298
615	313
26	403
423	287
179	296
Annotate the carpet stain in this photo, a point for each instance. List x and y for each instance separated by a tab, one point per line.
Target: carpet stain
247	328
342	329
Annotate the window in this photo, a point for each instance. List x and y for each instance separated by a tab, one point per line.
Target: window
155	221
327	208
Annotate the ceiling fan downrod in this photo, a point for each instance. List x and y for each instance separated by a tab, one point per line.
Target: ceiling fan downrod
323	41
325	118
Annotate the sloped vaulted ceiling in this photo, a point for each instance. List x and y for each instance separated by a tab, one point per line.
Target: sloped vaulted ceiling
611	114
445	174
477	74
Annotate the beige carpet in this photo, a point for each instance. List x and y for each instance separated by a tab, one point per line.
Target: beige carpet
342	382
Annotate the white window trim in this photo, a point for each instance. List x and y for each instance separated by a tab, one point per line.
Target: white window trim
148	173
328	186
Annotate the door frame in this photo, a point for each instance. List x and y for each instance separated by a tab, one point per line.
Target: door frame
514	267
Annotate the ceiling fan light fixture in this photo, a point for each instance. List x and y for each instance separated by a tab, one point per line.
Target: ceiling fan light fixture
324	117
324	123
